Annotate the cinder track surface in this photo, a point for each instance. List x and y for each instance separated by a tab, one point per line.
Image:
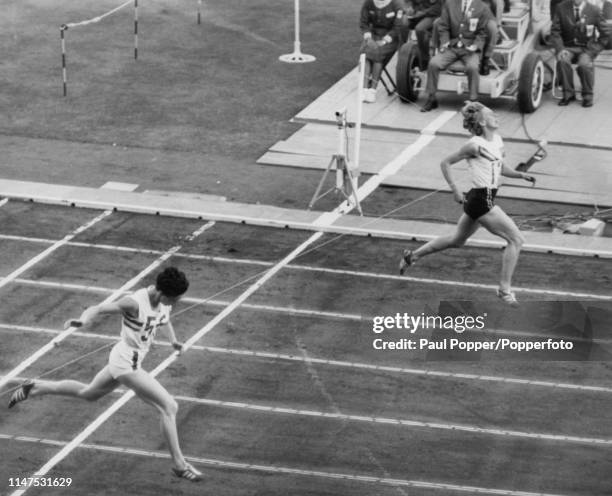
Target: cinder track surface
286	395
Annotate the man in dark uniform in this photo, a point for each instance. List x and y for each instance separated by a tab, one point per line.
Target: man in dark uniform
574	38
421	15
462	33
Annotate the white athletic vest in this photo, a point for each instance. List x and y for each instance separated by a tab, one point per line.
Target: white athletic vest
485	168
138	332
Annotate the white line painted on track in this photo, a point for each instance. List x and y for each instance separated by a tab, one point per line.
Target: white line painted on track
337	415
3	202
275	469
28	239
343	364
58	244
399	422
448	282
63	335
204	301
425	138
325	219
302	312
412	371
309	268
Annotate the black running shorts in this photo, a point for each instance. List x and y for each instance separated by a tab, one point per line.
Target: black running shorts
478	201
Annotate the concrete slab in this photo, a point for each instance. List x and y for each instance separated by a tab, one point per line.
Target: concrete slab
185	194
314	145
120	186
563	177
263	215
577	170
571	125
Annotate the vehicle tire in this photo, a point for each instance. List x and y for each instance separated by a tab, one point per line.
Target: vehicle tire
407	61
530	84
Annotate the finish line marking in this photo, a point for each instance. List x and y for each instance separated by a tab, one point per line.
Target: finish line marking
283	470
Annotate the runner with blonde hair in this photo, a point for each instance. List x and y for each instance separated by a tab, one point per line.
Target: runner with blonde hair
484	153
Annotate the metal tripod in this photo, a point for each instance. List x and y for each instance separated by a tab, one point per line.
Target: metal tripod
346	183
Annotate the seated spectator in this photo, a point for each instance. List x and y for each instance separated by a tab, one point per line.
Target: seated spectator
492	28
462	32
380	25
574	39
421	15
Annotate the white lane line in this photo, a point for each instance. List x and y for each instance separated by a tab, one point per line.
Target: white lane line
302	312
398	422
404	370
337	415
309	268
275	469
204	301
343	364
325	219
58	244
3	202
450	282
64	334
28	239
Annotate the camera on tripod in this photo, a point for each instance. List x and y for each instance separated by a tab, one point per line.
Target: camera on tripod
341	117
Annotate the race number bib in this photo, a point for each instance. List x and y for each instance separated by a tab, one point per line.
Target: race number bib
473	23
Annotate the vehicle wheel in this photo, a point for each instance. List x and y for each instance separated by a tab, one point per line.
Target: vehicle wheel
531	83
407	69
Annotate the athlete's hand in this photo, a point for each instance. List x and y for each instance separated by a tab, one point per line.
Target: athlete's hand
178	346
459	197
529	178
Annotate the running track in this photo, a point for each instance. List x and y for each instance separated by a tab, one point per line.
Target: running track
286	392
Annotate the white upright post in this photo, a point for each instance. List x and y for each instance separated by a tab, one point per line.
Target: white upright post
357	147
297	57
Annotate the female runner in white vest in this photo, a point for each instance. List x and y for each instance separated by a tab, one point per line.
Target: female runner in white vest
143	312
484	153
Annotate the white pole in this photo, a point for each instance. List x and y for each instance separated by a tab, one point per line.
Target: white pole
359	114
297	57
